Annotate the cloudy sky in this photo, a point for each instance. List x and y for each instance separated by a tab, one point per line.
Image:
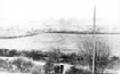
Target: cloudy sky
31	13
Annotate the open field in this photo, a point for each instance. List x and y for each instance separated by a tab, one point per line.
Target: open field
46	42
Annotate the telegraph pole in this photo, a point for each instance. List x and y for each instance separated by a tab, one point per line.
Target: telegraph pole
94	40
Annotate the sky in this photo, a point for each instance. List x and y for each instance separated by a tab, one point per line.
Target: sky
32	13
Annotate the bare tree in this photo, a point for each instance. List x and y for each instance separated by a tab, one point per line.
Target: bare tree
102	53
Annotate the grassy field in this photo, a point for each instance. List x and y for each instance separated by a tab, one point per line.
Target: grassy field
50	41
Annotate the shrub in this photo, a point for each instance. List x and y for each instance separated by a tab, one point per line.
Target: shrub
77	71
12	53
23	64
37	70
4	64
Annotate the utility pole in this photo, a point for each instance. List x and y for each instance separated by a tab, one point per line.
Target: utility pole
94	40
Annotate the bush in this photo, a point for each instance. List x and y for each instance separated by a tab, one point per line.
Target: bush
4	64
49	67
37	70
23	64
77	71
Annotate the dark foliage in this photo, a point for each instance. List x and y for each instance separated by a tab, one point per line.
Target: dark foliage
4	52
77	71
